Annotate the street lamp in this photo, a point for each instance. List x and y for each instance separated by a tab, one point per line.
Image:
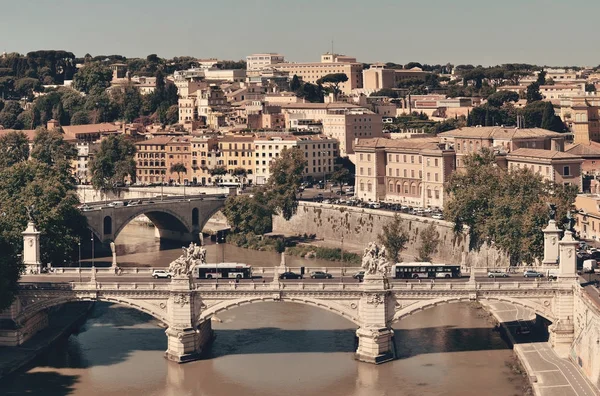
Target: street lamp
79	248
92	239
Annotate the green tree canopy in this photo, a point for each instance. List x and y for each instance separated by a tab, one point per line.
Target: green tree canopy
499	98
92	78
14	148
533	93
430	240
333	81
50	148
504	208
178	168
394	238
248	214
285	179
113	162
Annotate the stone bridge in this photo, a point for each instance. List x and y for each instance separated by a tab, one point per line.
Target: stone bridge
186	308
180	219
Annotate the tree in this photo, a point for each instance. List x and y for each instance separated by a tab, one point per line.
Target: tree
10	268
533	93
541	79
430	240
248	214
172	115
92	78
81	117
9	114
50	148
52	192
341	176
503	207
394	238
499	98
295	83
333	80
14	148
178	168
113	162
285	179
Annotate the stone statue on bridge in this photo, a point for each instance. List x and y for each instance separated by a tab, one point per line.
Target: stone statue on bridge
192	255
374	260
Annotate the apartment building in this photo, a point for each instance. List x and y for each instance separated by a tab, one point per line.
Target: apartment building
556	166
319	151
345	125
377	77
86	139
261	61
179	151
151	160
472	139
588	216
582	116
236	151
407	171
204	156
330	64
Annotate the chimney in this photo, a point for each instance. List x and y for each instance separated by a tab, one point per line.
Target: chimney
52	124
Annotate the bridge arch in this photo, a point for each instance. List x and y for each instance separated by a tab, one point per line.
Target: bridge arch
31	309
426	304
345	312
161	218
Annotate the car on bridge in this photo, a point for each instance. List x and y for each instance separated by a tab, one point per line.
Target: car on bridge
290	275
497	274
161	274
320	275
359	275
532	274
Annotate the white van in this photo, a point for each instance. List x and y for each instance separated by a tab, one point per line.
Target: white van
116	204
589	265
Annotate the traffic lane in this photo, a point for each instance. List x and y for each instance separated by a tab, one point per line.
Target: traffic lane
58	278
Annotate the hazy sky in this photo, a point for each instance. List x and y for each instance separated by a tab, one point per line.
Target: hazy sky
484	32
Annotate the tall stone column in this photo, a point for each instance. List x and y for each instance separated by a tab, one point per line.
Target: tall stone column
562	331
551	240
31	249
186	341
376	310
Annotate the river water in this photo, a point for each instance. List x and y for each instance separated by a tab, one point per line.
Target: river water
271	349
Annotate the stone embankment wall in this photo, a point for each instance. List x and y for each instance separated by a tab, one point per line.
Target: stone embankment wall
359	226
585	351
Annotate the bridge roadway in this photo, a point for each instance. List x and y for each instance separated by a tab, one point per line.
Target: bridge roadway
175	218
186	306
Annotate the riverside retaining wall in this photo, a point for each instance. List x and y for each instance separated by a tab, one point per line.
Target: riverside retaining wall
359	226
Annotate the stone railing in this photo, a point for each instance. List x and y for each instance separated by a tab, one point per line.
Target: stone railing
270	286
483	286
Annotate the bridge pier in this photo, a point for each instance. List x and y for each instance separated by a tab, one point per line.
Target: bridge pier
186	341
376	309
178	236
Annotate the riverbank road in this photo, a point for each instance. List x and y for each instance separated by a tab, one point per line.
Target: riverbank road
554	376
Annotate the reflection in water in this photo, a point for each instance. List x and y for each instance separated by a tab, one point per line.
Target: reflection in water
136	246
270	348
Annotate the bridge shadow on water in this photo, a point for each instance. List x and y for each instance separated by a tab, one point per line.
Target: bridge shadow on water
112	334
39	383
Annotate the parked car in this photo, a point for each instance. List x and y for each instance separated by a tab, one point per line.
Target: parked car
437	216
497	274
320	275
85	207
161	274
290	275
135	202
532	274
359	275
115	204
340	192
375	205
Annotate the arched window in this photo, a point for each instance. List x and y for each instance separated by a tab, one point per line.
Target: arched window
413	189
405	187
398	188
391	187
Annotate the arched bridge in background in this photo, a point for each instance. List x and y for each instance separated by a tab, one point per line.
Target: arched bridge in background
175	218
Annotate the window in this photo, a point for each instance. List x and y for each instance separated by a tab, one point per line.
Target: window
428	176
368	171
369	187
368	157
404	158
428	193
437	194
397	172
435	162
435	176
428	162
566	171
412	159
361	172
412	173
391	188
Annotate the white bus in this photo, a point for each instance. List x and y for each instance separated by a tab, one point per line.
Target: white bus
425	270
223	270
